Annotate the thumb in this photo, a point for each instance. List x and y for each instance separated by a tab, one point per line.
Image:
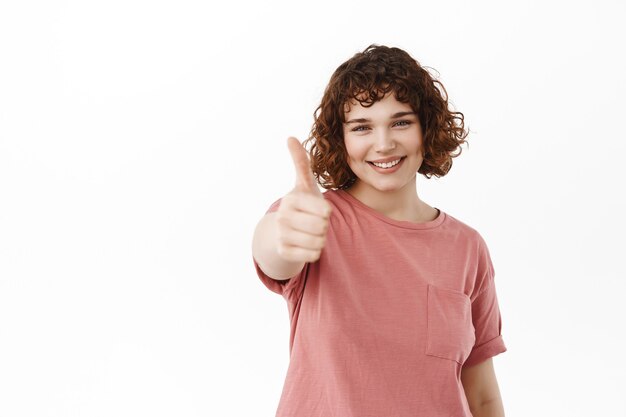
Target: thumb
304	176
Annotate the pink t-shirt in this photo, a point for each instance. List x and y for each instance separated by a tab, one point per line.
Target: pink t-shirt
384	320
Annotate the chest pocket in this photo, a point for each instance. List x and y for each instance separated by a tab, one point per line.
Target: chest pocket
450	332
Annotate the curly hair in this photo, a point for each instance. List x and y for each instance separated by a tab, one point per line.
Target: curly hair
367	77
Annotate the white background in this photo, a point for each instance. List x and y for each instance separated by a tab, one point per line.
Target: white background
141	142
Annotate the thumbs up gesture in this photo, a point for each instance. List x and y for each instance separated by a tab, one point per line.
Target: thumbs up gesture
303	215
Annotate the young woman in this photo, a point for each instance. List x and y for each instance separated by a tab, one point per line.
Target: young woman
392	302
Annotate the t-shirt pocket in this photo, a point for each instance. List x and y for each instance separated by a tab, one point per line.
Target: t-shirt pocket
450	331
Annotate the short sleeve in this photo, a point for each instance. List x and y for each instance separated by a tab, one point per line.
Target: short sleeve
288	287
284	287
486	316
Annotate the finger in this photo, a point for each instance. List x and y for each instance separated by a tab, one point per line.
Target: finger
303	240
305	180
306	223
300	254
309	203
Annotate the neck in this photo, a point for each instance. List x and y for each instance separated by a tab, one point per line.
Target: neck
399	204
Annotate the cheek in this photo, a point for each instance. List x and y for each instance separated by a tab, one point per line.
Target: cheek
351	150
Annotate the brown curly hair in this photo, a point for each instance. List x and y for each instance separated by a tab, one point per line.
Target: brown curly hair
367	77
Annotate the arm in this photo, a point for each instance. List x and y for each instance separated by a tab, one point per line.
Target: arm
481	389
264	250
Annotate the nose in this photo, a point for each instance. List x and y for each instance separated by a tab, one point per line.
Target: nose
384	141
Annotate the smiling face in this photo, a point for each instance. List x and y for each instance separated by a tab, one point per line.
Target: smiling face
388	130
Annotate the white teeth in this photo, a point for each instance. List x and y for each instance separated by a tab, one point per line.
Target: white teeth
387	164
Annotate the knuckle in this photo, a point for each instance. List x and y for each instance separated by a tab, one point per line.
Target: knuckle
283	218
280	213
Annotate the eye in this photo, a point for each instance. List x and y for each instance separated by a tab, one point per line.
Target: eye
362	128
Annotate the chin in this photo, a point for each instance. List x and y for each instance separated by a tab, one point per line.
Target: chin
386	188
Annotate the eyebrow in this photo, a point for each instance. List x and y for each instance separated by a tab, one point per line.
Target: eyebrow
394	116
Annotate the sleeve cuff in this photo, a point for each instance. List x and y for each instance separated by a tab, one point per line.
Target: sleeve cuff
277	286
485	351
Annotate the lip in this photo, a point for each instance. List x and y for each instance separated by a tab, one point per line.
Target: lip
389	159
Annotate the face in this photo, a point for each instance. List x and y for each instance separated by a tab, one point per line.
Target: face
388	129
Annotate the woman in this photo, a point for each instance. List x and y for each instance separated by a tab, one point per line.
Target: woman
392	302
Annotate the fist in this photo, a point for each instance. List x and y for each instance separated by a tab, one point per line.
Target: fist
303	215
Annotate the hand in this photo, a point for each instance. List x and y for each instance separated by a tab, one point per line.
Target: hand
303	215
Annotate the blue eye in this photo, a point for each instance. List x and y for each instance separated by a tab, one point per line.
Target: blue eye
362	128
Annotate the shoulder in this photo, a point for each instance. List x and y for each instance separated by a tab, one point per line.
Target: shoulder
331	195
463	231
478	257
337	202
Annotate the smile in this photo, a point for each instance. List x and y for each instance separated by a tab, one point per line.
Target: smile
388	167
387	164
